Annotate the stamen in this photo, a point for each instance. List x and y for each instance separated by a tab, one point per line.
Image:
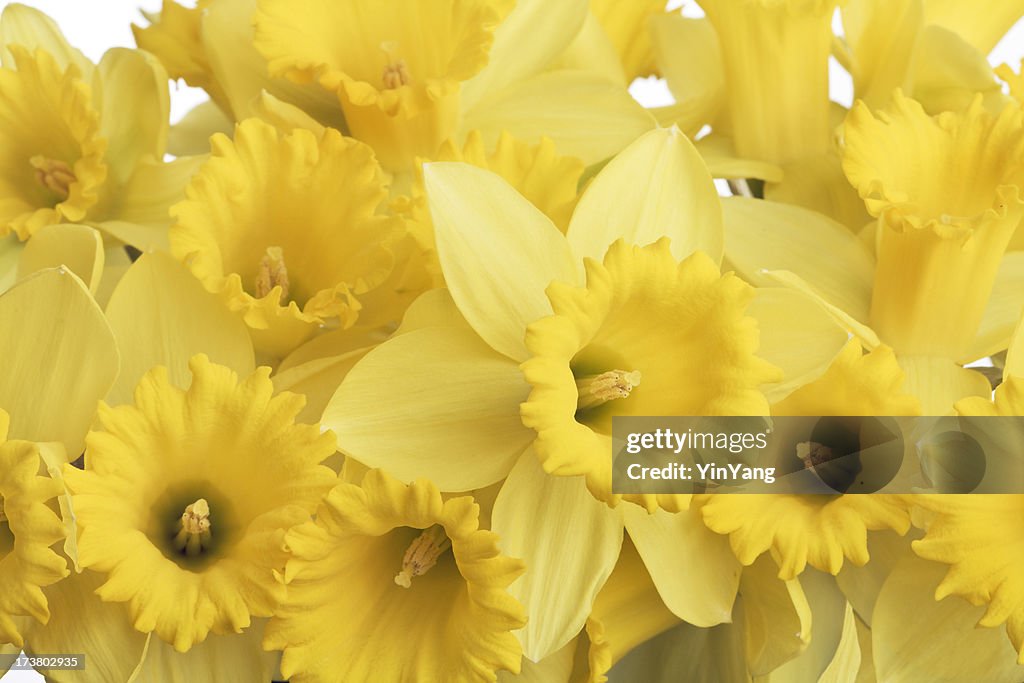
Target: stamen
272	273
422	554
54	175
596	390
396	71
194	533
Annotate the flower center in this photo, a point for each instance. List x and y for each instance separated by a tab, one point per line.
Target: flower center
422	554
54	175
396	72
596	390
272	273
194	534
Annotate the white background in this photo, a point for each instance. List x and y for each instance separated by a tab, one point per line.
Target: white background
93	26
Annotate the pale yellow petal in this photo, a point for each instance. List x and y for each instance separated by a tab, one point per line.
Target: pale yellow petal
436	402
161	315
762	235
588	116
10	253
592	50
845	664
27	26
1015	354
686	653
881	35
688	54
939	383
498	253
915	637
78	247
529	38
656	187
569	541
817	183
317	380
797	335
861	585
51	383
130	87
946	73
235	656
775	616
1003	310
982	29
191	135
828	611
703	594
720	156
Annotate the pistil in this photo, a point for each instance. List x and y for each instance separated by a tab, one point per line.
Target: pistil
396	71
272	273
422	554
596	390
194	532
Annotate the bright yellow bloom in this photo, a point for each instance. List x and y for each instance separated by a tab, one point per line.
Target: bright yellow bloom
28	529
396	570
187	495
286	229
83	142
821	530
628	27
626	344
941	235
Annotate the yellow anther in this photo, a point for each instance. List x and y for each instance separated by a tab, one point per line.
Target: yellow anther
422	554
54	175
272	273
596	390
194	533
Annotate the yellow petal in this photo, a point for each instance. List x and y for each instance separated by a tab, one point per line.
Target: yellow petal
687	653
982	29
134	106
238	656
1002	312
720	156
1013	79
592	50
828	618
530	37
703	595
27	26
116	262
434	402
82	623
191	135
774	616
143	214
688	54
947	73
881	36
909	648
451	622
498	252
938	383
317	380
796	335
627	25
10	253
588	116
862	585
1015	354
818	183
52	382
78	247
763	235
161	315
656	187
569	541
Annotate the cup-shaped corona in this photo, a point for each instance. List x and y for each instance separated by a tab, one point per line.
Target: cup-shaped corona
775	54
947	191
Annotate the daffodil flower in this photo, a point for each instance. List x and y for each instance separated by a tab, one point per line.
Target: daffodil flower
384	558
258	220
938	290
83	143
454	386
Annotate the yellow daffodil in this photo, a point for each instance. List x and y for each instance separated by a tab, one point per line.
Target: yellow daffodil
28	527
83	143
258	216
485	72
1013	79
821	530
938	289
385	558
627	25
454	384
172	513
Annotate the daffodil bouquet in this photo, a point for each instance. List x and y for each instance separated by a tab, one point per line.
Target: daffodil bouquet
318	383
